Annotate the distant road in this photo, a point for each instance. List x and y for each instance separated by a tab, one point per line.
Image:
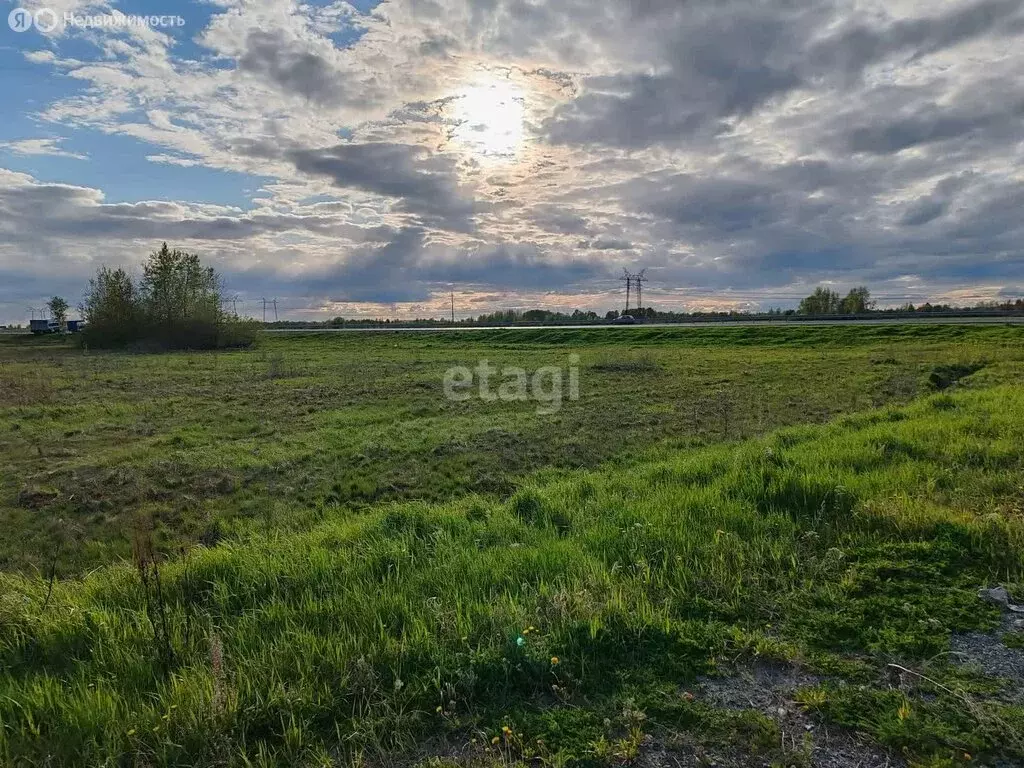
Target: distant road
1019	320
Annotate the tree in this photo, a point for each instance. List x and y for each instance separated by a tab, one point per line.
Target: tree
536	315
181	298
111	309
58	310
824	301
857	301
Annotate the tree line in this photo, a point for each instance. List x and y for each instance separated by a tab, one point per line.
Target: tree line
822	302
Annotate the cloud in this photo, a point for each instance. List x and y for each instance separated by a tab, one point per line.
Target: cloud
298	66
412	268
729	59
34	211
929	125
423	183
31	147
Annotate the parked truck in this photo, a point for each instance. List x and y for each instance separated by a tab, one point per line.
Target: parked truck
44	326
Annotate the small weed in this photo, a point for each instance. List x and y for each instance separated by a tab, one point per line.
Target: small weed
1013	640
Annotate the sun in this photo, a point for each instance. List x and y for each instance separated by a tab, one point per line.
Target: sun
488	119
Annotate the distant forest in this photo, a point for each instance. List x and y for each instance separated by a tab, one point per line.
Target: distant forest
822	303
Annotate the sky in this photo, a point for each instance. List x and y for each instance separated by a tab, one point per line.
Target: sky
368	158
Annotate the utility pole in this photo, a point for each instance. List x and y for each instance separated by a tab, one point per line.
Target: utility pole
264	300
453	307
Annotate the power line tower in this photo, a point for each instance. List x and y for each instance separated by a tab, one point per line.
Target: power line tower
453	307
628	280
271	302
634	281
639	280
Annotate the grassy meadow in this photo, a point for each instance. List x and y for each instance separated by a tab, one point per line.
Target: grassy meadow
304	554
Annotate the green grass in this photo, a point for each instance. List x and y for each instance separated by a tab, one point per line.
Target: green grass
214	446
573	602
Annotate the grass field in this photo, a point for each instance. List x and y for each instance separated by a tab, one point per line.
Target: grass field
334	564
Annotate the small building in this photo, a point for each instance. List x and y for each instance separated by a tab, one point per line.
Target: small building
74	326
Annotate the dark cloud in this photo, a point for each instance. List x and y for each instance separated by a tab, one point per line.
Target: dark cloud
929	125
726	60
297	69
924	211
729	59
412	268
424	183
558	219
855	45
928	208
31	212
710	207
610	244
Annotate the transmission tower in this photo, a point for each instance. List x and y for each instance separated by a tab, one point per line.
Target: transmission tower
634	280
639	279
628	280
271	302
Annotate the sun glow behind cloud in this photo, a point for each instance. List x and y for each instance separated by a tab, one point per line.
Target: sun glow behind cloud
488	119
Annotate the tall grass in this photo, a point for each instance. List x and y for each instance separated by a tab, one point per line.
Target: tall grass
370	633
